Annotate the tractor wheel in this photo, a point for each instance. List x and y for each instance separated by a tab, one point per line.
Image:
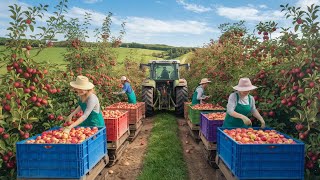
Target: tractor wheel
181	97
147	97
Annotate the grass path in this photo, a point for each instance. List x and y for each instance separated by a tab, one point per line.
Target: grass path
164	158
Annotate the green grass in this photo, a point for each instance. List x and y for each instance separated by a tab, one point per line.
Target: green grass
164	158
140	54
54	55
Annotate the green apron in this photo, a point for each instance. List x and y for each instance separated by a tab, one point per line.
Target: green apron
194	97
94	119
230	121
132	99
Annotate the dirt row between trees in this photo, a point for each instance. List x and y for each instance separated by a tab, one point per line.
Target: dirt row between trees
130	164
198	167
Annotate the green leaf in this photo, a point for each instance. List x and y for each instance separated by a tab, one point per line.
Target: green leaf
296	27
31	28
46	125
2	122
24	103
33	119
2	145
295	119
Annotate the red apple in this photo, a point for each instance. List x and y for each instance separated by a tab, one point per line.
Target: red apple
5	136
28	21
311	84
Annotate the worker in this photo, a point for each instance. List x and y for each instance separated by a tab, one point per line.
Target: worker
240	105
164	73
88	103
198	96
126	89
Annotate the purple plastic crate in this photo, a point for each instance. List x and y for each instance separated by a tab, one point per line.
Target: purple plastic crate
209	127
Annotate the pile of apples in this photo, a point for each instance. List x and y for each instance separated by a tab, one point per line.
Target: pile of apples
216	116
125	105
112	114
76	136
251	136
208	107
74	119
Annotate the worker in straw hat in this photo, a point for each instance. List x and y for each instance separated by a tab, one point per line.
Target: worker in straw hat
88	103
126	89
240	105
198	95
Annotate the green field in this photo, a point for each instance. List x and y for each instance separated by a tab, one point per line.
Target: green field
55	55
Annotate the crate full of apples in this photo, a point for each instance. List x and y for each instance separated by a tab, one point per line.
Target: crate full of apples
135	111
196	110
55	154
268	153
209	123
116	122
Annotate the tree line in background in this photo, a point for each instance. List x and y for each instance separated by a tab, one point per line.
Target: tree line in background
170	52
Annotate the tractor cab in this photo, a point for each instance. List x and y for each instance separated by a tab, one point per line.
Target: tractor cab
164	89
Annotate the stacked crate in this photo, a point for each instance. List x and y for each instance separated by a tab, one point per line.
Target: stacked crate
195	114
185	109
209	127
136	112
117	126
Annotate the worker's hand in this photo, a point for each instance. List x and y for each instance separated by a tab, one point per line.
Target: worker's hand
69	118
115	93
263	124
246	120
67	129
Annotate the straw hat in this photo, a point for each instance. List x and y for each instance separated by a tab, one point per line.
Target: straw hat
244	85
82	82
204	81
123	78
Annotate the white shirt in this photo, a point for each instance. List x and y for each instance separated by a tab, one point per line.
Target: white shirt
232	102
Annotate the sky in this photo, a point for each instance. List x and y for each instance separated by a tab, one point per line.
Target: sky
188	23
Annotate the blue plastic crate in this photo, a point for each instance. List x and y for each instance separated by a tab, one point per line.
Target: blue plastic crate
60	160
261	161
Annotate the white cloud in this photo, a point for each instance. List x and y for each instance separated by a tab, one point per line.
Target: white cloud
97	17
194	7
4	7
305	3
92	1
149	25
249	14
263	6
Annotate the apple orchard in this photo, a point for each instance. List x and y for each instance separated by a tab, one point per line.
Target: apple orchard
36	96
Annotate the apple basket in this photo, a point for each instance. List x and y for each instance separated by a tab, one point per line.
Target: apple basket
262	161
60	160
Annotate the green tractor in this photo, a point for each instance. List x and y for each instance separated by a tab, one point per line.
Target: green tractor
164	90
